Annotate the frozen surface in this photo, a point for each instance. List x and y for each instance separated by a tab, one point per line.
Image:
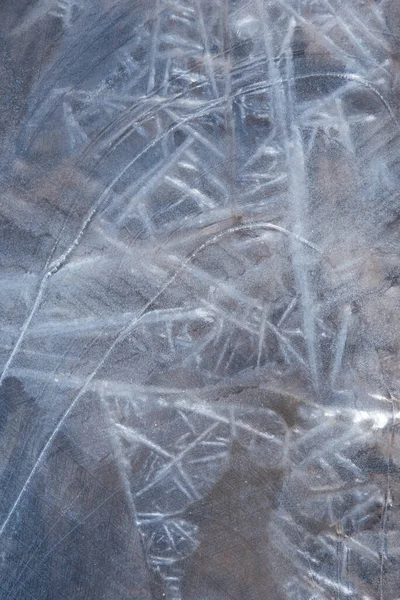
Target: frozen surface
200	298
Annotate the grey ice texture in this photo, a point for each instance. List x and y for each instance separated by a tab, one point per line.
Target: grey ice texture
200	300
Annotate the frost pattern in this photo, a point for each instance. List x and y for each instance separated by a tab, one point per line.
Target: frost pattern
200	294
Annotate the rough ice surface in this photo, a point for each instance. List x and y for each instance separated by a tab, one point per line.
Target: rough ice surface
200	226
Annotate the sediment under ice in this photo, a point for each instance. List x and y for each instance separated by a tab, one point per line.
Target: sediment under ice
199	300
